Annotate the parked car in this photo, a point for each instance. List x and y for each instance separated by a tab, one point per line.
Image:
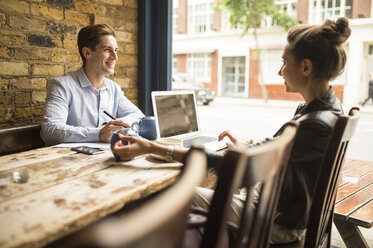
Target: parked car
181	81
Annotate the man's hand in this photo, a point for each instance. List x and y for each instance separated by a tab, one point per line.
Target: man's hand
107	130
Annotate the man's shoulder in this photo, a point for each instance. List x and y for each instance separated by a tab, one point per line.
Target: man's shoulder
67	79
112	84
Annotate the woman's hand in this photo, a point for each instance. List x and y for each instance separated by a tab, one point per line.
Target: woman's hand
228	134
136	147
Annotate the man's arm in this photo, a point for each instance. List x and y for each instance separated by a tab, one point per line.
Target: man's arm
127	111
55	128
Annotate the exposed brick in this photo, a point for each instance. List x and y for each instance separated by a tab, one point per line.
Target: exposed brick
5	98
38	96
48	70
130	14
73	67
58	28
133	84
22	98
76	17
13	68
113	2
26	83
127	60
24	23
124	36
123	82
64	56
88	7
14	6
4	84
34	53
68	4
131	72
21	83
70	43
46	11
131	26
2	19
131	3
104	19
5	114
5	52
23	113
39	40
39	83
131	93
12	37
131	49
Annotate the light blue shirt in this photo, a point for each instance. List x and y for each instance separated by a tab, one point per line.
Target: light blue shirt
74	109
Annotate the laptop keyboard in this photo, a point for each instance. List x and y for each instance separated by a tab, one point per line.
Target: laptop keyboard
187	143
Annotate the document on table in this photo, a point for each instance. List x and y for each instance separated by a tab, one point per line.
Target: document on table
93	145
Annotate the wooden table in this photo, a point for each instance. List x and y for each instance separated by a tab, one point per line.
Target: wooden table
66	191
354	202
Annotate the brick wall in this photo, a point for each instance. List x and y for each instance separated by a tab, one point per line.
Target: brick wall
38	43
361	8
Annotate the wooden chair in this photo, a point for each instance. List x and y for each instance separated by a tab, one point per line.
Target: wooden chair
321	214
245	167
18	139
319	225
160	222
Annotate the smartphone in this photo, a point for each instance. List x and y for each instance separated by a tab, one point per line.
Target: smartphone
87	150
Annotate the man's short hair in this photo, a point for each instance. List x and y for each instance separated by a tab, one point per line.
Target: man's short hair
90	36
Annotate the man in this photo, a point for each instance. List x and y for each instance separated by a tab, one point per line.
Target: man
370	90
75	102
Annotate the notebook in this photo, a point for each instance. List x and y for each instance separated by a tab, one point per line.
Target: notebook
176	116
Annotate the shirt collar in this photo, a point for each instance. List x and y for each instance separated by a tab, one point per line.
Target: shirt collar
84	81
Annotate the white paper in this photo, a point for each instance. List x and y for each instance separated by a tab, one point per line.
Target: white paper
93	145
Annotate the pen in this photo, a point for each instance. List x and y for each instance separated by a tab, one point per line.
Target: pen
109	115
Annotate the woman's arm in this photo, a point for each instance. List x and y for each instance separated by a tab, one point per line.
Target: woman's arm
140	146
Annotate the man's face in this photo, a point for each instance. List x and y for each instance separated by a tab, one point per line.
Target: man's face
103	59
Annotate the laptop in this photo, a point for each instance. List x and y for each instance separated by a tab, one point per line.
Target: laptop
176	116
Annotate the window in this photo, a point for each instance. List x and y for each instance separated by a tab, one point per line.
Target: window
233	76
287	6
199	66
174	64
270	64
329	9
174	15
200	16
226	26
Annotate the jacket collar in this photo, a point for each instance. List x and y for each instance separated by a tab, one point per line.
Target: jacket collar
326	100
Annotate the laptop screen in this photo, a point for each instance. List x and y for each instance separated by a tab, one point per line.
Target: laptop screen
175	113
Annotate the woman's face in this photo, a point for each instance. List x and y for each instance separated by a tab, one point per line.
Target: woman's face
291	71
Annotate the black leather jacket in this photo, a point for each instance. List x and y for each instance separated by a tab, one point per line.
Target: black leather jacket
316	122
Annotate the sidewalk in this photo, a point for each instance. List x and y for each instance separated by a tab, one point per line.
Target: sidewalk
368	108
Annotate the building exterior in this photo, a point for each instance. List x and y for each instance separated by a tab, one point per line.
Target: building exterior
206	47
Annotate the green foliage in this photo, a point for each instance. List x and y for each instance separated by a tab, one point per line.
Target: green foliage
247	14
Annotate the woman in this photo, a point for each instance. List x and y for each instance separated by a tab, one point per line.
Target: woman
312	57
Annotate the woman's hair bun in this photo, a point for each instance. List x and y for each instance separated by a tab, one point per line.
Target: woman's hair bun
336	32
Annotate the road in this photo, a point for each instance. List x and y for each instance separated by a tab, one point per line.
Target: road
252	119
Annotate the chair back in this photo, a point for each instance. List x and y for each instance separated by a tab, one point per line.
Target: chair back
321	213
246	167
18	139
159	223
